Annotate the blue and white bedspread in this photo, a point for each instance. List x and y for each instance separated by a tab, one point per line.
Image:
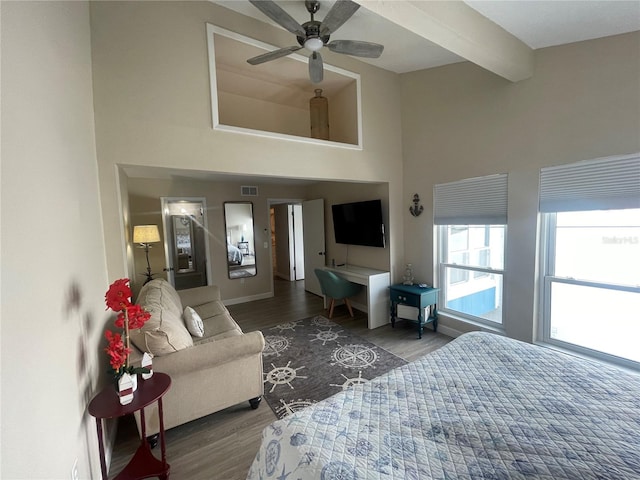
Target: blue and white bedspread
483	406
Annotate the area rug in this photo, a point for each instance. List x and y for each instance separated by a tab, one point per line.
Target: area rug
308	360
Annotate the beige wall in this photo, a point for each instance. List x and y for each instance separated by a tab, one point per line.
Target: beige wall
152	107
334	193
144	202
459	122
53	255
144	207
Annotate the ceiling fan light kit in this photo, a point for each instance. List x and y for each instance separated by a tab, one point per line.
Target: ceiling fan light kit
314	35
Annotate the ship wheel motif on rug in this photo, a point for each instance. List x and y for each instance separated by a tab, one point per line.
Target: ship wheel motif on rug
350	382
292	406
290	326
325	336
282	376
355	356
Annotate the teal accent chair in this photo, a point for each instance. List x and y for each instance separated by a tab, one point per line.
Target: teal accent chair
335	288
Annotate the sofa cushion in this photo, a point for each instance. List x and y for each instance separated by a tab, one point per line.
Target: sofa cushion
210	309
165	331
193	322
159	292
220	324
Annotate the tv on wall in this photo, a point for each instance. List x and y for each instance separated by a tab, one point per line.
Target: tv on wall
359	223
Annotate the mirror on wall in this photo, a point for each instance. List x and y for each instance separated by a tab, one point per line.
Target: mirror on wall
239	232
183	240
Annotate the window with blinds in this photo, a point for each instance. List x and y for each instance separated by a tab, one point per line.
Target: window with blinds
471	217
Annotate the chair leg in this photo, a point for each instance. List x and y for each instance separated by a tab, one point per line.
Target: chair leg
346	300
331	307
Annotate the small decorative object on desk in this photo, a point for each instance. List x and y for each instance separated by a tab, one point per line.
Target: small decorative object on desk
147	363
408	275
130	316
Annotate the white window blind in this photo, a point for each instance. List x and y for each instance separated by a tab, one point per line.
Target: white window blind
474	201
605	184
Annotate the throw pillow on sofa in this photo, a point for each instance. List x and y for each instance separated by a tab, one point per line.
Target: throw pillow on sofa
193	322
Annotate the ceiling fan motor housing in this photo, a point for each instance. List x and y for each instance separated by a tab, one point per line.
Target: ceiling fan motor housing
312	30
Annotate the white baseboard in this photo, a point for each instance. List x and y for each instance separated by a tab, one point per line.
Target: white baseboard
448	331
250	298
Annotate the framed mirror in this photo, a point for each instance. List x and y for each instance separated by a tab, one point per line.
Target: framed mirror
239	233
183	240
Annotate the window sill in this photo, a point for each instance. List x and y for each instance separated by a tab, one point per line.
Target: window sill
584	356
497	329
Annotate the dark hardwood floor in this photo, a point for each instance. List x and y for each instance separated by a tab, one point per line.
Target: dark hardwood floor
222	446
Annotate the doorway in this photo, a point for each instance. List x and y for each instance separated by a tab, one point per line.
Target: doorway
287	241
186	244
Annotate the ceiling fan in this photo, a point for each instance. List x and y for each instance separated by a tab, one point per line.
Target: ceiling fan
313	35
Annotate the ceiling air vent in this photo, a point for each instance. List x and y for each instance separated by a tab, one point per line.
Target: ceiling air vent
248	191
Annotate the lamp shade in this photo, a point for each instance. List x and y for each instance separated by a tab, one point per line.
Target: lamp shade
146	234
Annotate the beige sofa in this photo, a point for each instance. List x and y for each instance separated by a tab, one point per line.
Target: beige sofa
220	369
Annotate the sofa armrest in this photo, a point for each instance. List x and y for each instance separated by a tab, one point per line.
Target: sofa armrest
193	297
210	353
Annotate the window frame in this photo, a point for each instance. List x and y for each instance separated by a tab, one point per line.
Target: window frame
548	277
441	274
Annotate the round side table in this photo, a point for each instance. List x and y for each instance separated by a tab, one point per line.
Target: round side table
106	404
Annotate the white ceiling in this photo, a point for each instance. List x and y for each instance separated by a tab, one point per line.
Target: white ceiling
537	24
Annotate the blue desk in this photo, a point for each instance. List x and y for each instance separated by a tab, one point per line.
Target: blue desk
415	296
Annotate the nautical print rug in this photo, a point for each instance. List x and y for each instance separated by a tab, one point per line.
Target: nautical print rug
311	359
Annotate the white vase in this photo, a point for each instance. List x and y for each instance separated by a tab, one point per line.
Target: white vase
134	382
126	387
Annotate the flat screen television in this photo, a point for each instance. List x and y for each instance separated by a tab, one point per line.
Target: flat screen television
359	223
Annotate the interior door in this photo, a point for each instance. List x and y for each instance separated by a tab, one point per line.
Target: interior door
314	245
298	241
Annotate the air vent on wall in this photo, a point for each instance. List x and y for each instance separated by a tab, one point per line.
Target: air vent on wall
248	191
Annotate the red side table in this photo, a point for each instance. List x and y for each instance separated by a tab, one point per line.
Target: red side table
107	405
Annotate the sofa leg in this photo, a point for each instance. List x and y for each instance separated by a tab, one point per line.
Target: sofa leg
255	402
152	440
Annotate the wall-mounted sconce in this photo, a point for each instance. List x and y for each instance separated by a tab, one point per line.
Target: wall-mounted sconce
416	209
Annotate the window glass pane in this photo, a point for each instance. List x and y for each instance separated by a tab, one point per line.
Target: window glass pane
479	297
602	246
483	245
458	238
596	318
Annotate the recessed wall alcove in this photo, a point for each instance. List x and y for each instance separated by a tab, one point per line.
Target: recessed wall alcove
273	98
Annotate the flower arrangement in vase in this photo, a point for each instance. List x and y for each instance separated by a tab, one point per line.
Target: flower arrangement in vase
130	317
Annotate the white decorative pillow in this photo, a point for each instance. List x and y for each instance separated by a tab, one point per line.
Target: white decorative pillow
193	322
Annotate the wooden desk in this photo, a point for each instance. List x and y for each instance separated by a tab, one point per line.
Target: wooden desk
107	405
415	296
377	282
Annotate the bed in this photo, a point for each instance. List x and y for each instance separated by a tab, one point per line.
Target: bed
234	255
483	406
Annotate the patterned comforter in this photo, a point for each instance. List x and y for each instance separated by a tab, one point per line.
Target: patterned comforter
483	406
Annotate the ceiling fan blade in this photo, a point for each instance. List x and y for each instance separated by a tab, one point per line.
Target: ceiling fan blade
339	13
278	15
266	57
356	48
315	67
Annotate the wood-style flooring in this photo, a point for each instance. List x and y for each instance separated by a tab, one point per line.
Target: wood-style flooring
222	446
